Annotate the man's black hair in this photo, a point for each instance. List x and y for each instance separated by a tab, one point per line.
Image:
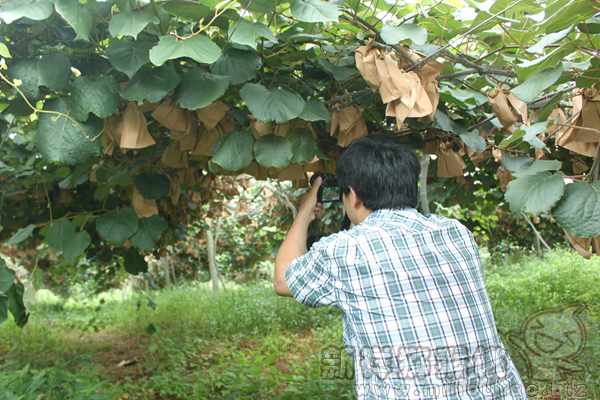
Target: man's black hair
382	171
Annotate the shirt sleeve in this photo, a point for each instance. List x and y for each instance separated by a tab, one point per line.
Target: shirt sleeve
310	279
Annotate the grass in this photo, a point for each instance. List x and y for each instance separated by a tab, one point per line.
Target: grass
245	342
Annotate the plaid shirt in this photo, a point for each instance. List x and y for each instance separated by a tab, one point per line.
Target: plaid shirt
417	319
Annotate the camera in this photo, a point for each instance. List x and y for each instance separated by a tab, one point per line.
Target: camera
329	191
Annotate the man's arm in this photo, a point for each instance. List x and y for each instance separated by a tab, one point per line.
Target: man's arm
294	244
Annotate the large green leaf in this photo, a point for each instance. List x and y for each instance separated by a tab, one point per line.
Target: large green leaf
128	55
64	140
150	231
20	236
36	10
152	185
78	15
277	105
186	9
273	151
248	33
131	23
315	11
531	167
16	306
96	95
527	68
198	89
239	65
549	39
535	194
576	11
304	145
314	110
63	237
51	71
579	210
117	225
151	84
233	152
199	48
537	83
395	34
7	277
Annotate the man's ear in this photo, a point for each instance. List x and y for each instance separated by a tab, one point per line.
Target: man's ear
355	201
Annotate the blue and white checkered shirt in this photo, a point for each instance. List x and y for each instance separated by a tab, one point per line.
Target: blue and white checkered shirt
417	319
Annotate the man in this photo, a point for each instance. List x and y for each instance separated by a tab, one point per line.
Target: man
417	318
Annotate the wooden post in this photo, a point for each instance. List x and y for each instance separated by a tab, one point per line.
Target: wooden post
212	260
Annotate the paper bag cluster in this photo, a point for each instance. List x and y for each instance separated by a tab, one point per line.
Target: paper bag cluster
407	94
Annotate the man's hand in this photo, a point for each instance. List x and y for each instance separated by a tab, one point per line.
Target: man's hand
309	209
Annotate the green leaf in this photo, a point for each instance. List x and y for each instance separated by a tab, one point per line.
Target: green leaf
239	65
151	84
535	194
51	71
96	95
199	89
591	26
314	110
277	105
536	166
152	186
248	33
3	308
579	210
549	39
233	151
7	277
199	48
339	73
531	133
134	262
529	90
150	231
315	11
261	6
63	237
186	9
464	98
128	55
117	225
78	15
20	236
304	146
64	140
395	34
550	60
576	11
16	306
4	51
273	151
36	10
131	23
470	138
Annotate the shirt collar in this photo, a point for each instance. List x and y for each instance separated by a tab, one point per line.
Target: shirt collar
390	214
